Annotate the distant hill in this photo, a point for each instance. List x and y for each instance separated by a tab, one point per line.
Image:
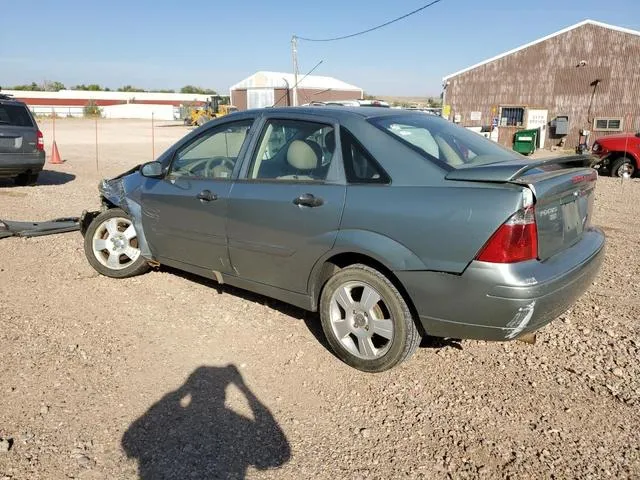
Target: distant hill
395	99
407	100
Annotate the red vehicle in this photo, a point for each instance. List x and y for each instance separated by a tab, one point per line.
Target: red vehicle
619	154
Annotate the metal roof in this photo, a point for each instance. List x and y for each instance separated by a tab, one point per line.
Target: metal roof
535	42
264	79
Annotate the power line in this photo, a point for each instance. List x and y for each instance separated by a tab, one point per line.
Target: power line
372	28
298	83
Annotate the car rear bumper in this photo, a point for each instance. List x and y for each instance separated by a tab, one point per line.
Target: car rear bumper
12	165
501	302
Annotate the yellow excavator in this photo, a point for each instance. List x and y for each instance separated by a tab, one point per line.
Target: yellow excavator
210	110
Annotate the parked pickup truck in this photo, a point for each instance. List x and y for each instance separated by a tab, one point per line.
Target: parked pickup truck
619	154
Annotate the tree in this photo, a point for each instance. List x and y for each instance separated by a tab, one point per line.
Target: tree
129	88
32	87
94	87
52	86
366	96
165	91
197	90
434	102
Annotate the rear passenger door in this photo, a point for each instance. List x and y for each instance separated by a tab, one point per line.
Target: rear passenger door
285	208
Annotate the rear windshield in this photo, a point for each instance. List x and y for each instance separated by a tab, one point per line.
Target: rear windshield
15	115
443	142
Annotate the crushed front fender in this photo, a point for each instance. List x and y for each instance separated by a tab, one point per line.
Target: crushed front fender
123	192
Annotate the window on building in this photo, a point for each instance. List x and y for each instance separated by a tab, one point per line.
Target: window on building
607	124
511	116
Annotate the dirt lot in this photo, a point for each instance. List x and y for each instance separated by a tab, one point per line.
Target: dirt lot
168	376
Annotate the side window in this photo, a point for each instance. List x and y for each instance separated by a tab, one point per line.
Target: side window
359	165
443	147
212	154
293	150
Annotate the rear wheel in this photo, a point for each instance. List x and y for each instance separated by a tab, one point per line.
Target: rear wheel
366	320
111	245
621	166
26	179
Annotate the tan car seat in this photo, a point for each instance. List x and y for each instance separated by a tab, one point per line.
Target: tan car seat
302	157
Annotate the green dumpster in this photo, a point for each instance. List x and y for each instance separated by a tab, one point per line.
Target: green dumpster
525	141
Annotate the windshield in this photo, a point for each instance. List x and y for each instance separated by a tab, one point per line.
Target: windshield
441	141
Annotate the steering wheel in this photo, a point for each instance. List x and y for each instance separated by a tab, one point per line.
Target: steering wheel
217	162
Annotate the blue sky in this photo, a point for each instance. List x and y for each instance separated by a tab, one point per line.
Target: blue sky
214	44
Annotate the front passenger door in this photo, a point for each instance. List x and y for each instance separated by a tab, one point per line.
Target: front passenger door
185	212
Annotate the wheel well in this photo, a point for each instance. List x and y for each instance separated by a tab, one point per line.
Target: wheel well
108	205
616	155
343	260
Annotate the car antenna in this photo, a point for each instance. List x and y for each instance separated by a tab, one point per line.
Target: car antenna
625	174
298	83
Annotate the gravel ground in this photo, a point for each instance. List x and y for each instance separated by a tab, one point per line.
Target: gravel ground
169	376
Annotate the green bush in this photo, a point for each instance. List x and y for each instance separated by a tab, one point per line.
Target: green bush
92	110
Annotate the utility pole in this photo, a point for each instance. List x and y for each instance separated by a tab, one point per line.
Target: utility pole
294	57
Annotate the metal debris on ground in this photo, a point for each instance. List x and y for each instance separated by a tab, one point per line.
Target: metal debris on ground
9	228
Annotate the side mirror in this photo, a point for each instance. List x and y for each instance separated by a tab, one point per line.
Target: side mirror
151	170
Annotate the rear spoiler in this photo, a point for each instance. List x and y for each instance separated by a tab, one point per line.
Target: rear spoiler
509	171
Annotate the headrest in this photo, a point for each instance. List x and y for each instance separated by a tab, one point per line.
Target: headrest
301	156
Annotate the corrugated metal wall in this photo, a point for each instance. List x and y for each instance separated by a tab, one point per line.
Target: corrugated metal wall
549	75
239	99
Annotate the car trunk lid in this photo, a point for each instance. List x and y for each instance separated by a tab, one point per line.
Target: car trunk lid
564	196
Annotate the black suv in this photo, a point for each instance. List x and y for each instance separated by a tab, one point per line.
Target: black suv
21	142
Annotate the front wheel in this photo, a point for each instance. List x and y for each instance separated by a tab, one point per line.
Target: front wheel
366	320
622	167
111	245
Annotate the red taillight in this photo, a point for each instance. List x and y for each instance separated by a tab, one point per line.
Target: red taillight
515	241
40	144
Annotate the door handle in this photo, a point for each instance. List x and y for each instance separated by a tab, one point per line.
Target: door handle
308	200
206	196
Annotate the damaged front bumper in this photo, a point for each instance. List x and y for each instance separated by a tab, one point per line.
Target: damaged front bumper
9	228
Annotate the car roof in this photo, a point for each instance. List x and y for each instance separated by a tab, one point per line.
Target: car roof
9	100
338	111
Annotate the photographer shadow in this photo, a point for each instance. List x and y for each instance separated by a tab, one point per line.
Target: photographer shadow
191	433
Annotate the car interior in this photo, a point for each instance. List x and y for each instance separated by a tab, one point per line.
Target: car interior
294	151
210	156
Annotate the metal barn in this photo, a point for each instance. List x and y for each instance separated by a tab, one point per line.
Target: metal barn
266	89
582	79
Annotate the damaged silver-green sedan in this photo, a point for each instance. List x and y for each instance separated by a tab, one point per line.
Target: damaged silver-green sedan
391	224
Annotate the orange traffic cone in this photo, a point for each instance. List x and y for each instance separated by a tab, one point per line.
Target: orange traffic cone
55	155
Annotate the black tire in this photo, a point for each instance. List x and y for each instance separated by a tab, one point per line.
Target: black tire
621	165
26	179
96	231
406	336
